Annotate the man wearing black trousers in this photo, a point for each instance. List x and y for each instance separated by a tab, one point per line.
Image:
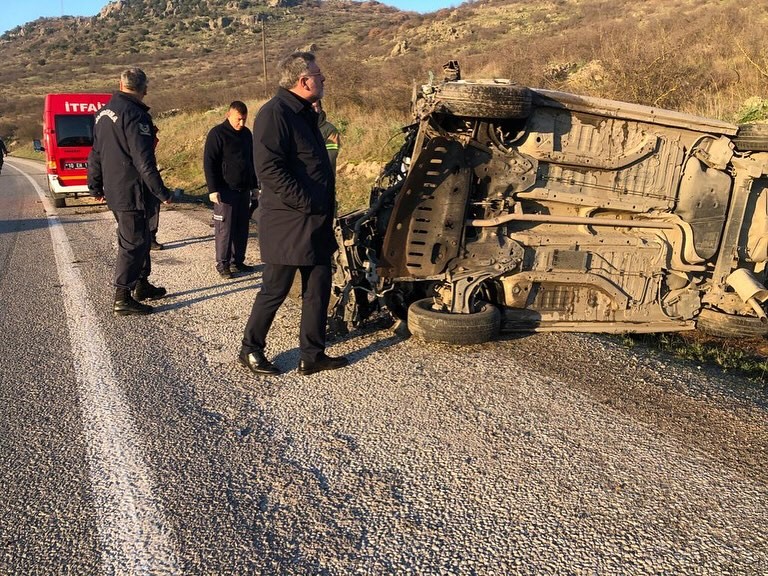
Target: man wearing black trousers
296	208
229	174
122	169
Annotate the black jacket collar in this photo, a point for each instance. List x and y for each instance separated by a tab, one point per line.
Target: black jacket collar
294	102
131	98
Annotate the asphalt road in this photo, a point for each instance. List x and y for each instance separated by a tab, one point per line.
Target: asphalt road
139	446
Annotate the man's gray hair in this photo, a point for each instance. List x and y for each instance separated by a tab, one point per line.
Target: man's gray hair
293	67
134	79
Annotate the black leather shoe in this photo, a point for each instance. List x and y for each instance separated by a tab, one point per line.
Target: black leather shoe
155	245
146	291
323	362
225	272
243	267
129	307
257	363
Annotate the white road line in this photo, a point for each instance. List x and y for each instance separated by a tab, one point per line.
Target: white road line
135	536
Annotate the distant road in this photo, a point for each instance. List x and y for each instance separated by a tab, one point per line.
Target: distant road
138	446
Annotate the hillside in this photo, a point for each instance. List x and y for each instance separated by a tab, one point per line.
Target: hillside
692	55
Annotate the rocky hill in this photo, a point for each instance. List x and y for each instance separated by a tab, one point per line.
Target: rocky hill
693	55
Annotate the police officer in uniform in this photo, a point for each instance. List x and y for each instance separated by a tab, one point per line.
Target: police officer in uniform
122	169
230	176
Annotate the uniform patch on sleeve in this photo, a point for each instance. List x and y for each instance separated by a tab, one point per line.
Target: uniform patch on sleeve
144	129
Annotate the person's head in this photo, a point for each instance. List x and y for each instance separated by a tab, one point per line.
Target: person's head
237	114
300	74
134	81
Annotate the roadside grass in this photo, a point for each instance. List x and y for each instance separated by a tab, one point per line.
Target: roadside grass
746	357
27	151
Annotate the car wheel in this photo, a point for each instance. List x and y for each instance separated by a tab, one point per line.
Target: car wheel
485	100
722	325
439	326
59	202
752	137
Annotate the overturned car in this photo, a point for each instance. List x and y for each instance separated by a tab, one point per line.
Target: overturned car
517	209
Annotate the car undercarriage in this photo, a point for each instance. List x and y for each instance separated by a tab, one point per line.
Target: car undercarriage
517	209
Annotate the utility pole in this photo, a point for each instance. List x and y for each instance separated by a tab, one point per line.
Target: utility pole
264	57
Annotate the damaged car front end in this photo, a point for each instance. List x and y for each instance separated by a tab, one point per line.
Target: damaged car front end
518	209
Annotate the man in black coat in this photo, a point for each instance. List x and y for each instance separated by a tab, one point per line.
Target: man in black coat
230	176
297	206
123	170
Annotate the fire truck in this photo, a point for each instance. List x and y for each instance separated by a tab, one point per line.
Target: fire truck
68	121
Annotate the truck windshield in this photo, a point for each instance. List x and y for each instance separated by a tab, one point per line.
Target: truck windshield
74	130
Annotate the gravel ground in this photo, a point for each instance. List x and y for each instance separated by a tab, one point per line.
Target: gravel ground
549	454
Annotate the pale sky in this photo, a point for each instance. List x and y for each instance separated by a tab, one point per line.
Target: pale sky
16	12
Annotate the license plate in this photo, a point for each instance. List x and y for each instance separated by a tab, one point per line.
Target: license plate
75	165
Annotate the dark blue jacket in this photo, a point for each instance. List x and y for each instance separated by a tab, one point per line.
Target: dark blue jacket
228	159
122	165
298	186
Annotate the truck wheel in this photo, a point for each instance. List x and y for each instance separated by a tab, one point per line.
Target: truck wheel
752	137
486	99
59	202
438	326
722	325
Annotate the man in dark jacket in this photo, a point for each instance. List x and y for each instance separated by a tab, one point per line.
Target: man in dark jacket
229	174
123	170
297	207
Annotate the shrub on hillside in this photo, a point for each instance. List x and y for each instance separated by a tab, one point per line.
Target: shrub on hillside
755	109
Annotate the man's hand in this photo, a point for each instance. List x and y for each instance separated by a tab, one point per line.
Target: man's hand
169	193
214	197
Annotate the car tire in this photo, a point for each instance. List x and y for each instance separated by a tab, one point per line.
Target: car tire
752	137
722	325
59	202
485	100
439	326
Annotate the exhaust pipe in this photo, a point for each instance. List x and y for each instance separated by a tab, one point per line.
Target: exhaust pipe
749	290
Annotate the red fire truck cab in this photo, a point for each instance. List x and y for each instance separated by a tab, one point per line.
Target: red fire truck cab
67	137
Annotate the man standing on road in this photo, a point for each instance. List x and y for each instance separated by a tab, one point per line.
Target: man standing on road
230	176
122	169
297	206
3	153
